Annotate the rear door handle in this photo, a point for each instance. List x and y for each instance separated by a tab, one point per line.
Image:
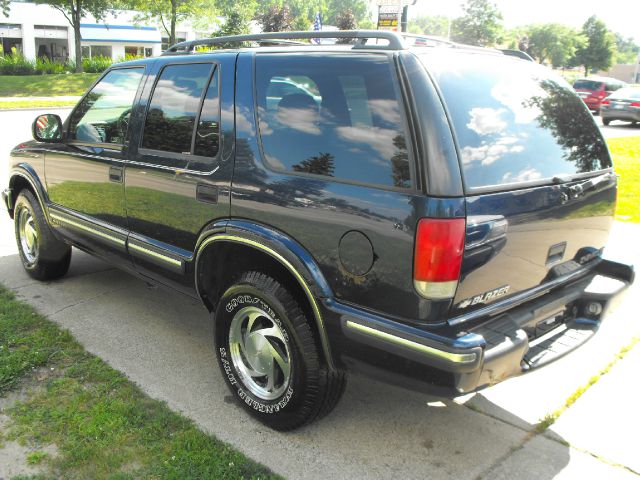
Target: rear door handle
115	174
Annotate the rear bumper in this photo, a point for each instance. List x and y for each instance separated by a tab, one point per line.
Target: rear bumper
452	361
614	114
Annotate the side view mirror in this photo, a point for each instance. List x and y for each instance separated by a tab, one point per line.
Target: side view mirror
47	128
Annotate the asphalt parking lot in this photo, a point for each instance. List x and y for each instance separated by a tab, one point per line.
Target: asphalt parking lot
162	341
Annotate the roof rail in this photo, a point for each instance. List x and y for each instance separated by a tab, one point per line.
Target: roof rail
361	37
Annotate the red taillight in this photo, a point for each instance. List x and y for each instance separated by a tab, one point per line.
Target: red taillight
438	256
605	102
635	104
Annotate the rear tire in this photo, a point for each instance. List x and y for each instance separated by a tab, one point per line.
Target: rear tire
43	256
269	356
606	121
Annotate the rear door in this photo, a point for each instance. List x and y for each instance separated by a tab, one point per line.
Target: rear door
179	173
540	191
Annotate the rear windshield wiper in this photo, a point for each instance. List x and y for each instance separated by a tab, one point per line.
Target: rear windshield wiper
580	188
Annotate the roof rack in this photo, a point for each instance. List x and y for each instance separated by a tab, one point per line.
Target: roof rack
283	38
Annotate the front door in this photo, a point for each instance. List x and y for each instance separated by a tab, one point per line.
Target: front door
85	173
178	179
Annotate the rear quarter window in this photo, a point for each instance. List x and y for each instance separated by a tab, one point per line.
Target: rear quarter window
335	116
516	122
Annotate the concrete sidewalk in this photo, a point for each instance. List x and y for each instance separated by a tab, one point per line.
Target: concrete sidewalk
162	341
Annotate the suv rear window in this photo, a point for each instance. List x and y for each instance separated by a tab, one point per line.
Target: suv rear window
336	116
516	121
591	85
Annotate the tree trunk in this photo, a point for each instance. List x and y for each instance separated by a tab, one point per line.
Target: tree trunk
586	71
76	16
174	14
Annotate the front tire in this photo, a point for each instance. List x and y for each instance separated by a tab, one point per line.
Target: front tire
269	357
606	121
43	256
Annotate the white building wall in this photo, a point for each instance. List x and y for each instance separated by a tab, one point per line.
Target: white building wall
27	15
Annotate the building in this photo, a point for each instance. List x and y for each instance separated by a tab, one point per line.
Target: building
43	31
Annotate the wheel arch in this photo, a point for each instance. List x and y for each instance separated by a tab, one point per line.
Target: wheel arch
224	254
21	177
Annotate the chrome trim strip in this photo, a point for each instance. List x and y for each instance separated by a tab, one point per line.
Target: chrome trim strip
60	219
156	255
173	169
314	305
86	155
498	307
460	358
138	164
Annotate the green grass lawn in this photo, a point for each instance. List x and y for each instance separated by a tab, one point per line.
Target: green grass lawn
626	159
36	104
45	85
101	423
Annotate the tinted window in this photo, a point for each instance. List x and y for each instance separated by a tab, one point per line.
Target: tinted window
207	141
174	104
516	122
612	87
587	85
103	115
341	118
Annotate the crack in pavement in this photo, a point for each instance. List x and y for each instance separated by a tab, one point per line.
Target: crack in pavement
86	300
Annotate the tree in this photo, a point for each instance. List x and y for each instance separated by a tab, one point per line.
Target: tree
627	50
235	24
597	52
552	43
332	9
346	21
5	5
430	25
169	13
277	18
480	25
74	11
322	164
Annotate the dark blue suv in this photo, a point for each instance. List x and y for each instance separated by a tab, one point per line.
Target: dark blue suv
433	216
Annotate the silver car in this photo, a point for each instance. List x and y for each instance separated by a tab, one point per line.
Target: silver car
624	104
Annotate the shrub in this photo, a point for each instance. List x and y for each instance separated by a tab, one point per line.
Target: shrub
46	66
16	64
96	64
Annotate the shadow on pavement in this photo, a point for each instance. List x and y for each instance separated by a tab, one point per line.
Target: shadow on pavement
162	341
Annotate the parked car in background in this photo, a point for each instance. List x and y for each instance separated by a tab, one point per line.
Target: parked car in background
593	90
624	104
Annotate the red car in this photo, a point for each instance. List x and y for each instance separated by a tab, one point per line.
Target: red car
593	90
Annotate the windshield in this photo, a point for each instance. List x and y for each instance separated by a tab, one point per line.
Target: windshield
515	121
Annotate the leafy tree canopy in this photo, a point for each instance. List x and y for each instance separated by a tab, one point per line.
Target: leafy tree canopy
74	10
480	25
552	43
437	25
597	52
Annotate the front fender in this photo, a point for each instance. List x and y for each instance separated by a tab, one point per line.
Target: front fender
24	173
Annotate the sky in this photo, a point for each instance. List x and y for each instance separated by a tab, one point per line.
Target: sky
621	16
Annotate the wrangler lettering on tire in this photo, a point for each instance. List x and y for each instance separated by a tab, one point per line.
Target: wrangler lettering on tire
269	356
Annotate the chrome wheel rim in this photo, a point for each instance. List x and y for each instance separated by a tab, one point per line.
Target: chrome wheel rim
28	235
260	353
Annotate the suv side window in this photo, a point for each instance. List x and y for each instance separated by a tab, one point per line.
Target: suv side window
342	119
184	112
103	115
